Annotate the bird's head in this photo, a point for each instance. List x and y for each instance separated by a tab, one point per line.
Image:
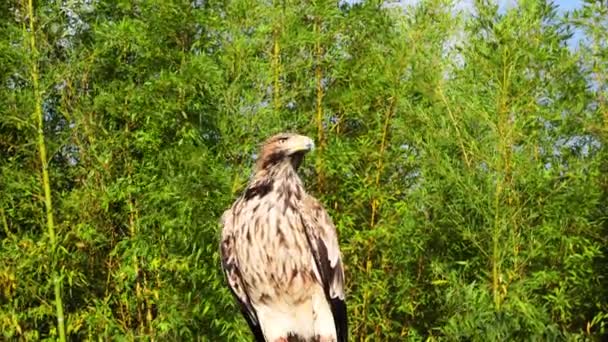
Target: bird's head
283	149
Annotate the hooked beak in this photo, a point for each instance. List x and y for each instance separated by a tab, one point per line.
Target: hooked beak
300	143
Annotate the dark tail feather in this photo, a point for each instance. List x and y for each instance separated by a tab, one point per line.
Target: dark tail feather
255	328
338	308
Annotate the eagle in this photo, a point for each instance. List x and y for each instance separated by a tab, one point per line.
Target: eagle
280	254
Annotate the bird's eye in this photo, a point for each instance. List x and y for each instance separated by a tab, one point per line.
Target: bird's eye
282	140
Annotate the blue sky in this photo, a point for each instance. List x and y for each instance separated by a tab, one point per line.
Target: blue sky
568	5
564	5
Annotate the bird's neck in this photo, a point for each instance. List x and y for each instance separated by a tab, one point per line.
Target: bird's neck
282	176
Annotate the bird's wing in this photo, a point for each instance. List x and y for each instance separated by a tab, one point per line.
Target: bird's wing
230	265
323	240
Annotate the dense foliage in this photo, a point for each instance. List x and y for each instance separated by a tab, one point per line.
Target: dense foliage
462	154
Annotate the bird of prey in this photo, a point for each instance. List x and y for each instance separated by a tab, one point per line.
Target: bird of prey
280	253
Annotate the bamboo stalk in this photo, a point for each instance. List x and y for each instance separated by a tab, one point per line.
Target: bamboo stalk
455	123
276	66
319	103
45	173
380	162
138	291
602	96
375	203
276	62
503	184
496	247
600	79
133	220
148	306
5	223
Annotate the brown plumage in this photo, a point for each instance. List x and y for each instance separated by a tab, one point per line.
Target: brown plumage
280	252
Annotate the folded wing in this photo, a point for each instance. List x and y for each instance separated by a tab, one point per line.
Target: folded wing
323	240
231	270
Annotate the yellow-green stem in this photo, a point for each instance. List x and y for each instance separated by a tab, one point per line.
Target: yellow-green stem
600	78
505	133
133	221
56	278
380	162
5	223
133	231
319	103
455	123
496	247
276	66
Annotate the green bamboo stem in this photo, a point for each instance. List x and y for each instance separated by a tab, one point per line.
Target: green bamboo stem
5	223
503	184
455	123
380	162
319	103
276	63
45	173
